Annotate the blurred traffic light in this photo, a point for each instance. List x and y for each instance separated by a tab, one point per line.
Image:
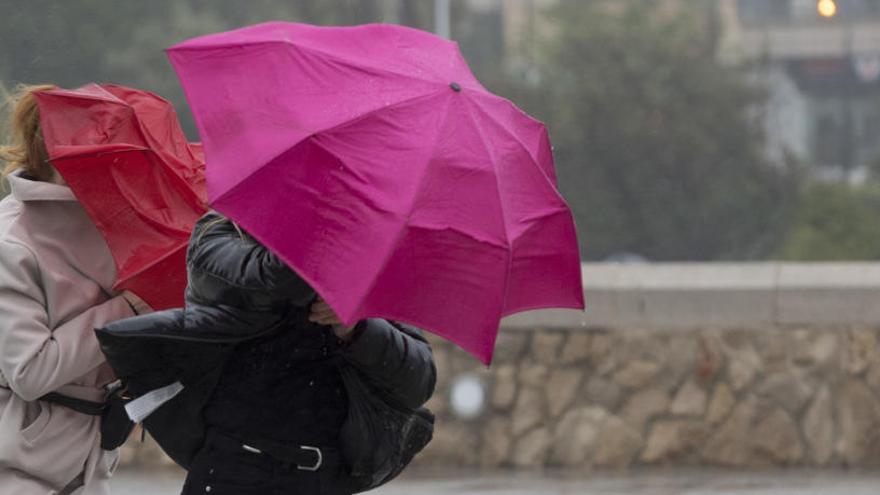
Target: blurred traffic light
826	8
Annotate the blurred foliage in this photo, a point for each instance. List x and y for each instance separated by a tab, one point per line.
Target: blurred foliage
835	221
658	148
72	43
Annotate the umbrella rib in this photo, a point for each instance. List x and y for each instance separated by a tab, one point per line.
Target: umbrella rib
171	252
113	99
535	164
517	139
153	223
323	131
374	111
182	184
488	149
361	64
357	63
417	193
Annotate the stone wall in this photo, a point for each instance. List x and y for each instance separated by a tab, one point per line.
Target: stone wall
726	365
616	398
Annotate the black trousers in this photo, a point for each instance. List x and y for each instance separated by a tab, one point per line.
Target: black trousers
222	469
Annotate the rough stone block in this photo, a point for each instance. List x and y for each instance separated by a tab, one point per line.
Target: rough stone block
858	411
670	440
529	410
546	346
577	348
510	346
618	444
637	374
743	365
562	388
730	445
689	401
576	435
819	427
504	387
533	375
604	393
861	350
645	405
721	404
532	449
791	389
816	349
776	435
496	444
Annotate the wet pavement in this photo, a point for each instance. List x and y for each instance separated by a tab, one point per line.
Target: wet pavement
548	483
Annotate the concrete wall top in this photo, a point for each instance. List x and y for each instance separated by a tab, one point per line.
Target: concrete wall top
682	295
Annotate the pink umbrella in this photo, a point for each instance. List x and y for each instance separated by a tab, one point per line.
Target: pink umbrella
374	163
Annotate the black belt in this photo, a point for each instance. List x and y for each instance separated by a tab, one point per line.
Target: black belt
304	457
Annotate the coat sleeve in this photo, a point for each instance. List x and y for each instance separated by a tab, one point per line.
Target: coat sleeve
395	358
219	253
34	358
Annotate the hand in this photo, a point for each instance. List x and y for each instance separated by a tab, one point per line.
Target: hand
322	314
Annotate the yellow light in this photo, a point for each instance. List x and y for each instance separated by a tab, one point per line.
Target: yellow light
826	8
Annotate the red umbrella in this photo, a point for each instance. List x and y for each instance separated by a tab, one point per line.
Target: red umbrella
123	154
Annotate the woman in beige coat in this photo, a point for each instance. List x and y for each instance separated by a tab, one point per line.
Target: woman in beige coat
56	274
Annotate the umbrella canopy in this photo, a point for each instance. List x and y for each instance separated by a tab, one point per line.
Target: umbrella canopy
123	154
373	162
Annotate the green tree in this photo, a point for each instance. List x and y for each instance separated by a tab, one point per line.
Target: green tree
658	147
834	222
73	43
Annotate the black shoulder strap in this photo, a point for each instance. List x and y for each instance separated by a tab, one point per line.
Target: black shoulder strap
78	405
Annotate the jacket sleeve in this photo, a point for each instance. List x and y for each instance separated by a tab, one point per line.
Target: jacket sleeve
395	358
34	358
221	255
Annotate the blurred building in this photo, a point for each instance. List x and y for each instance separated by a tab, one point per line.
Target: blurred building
822	74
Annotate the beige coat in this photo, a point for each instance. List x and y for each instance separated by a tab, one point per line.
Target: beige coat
55	279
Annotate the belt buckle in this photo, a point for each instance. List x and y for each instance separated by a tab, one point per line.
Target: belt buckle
317	465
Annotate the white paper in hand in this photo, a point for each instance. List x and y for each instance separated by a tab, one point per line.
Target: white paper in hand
144	405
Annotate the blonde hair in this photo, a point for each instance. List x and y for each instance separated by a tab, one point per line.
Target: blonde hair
223	219
26	149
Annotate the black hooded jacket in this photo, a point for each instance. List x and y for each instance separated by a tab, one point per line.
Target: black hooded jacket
239	296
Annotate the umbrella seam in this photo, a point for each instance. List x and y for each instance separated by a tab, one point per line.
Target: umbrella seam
372	112
359	64
182	185
564	206
464	233
317	133
123	147
501	202
520	143
405	225
156	261
72	94
312	49
153	223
